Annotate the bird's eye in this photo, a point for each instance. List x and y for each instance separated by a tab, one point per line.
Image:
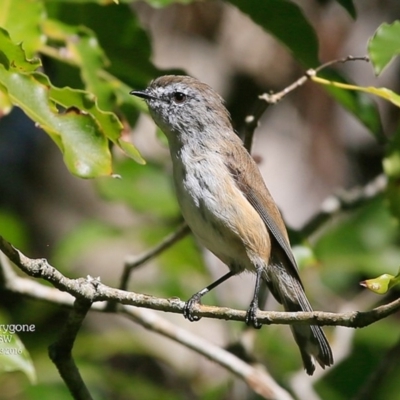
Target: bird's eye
179	97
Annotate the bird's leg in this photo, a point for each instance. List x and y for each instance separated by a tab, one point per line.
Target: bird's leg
195	299
251	315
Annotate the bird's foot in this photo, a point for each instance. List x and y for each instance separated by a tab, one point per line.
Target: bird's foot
251	316
189	305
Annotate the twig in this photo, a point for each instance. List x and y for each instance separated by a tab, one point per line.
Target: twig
84	288
251	121
345	200
132	263
258	380
60	352
28	287
340	61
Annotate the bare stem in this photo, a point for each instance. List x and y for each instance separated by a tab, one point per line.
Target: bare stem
252	121
132	263
60	351
84	288
345	200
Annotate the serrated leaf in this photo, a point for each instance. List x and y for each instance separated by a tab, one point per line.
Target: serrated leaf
128	47
384	45
284	20
83	49
13	56
71	117
85	52
78	135
21	19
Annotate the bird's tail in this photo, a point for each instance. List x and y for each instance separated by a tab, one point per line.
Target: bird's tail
288	290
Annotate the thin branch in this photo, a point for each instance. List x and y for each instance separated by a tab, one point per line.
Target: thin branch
251	121
60	352
28	287
345	200
339	61
131	263
84	288
258	380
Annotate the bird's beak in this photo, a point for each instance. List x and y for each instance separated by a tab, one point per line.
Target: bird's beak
142	93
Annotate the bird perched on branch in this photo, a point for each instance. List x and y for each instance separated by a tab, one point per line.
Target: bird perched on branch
226	203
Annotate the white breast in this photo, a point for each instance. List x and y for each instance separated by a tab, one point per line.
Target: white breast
216	210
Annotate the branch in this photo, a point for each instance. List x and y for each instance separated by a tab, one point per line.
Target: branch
258	380
345	200
133	263
60	352
82	288
252	120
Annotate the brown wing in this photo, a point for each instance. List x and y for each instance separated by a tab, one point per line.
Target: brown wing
249	180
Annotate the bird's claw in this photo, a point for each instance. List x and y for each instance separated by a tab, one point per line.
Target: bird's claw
188	309
251	316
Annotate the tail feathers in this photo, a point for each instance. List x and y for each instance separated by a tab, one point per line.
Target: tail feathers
312	342
313	346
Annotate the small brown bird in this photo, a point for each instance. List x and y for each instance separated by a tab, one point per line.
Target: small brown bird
226	204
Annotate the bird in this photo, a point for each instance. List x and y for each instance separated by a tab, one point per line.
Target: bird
226	204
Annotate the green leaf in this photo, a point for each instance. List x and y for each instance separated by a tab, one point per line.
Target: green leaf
384	45
12	56
21	19
382	283
77	133
128	46
71	117
349	6
130	150
13	354
284	20
83	49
